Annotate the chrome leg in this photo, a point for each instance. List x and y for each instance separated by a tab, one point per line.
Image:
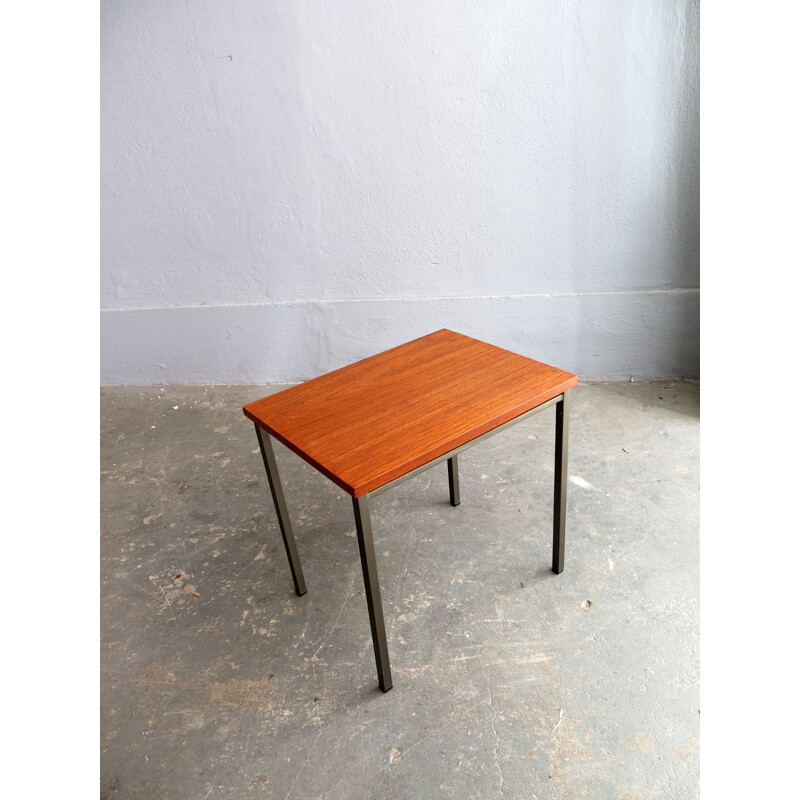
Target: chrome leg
560	488
373	591
271	466
452	478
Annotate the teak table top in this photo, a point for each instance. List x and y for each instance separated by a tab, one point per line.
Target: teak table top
373	421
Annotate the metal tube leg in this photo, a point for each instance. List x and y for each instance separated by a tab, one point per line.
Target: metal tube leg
560	488
452	479
373	591
271	466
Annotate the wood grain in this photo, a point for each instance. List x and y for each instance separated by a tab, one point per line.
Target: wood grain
371	422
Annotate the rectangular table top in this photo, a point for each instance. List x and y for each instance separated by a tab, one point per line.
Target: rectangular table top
373	421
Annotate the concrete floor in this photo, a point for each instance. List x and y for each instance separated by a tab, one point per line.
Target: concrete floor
509	681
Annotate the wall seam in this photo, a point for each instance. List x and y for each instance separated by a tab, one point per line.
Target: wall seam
427	299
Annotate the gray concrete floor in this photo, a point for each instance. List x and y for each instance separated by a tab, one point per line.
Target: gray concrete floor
509	681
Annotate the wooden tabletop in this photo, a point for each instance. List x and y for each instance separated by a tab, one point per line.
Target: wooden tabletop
371	422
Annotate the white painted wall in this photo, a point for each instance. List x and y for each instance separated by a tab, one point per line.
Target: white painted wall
289	186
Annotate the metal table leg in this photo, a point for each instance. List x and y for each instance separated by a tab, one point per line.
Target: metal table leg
271	466
560	498
373	591
452	478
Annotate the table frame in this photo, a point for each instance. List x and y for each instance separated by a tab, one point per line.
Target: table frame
361	512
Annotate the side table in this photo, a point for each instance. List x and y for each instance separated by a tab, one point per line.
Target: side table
370	425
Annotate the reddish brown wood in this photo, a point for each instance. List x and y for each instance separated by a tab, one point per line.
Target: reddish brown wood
371	422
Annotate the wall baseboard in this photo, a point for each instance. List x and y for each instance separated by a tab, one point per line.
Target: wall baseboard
603	335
